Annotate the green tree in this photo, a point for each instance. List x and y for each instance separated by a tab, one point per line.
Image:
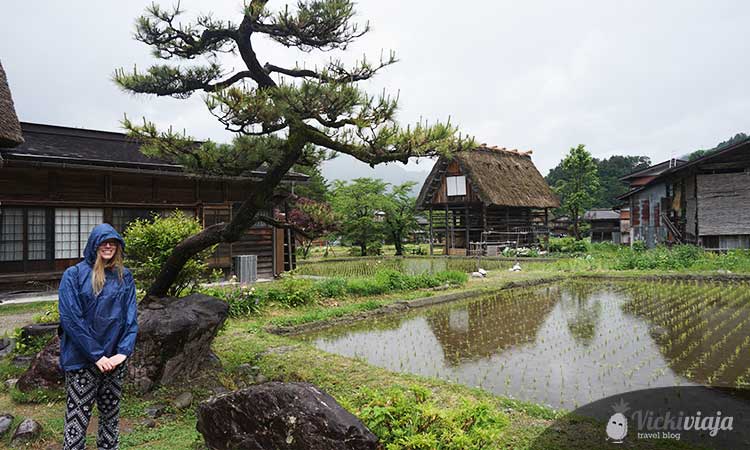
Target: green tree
356	204
610	171
578	186
400	214
282	116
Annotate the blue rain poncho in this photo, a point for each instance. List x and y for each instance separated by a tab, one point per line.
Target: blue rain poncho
95	326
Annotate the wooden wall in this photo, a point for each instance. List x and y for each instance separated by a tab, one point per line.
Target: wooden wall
724	204
22	184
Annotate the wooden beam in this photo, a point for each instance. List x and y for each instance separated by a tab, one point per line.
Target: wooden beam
466	225
431	236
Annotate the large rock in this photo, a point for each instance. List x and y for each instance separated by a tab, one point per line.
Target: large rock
174	339
174	343
45	371
26	431
6	420
294	416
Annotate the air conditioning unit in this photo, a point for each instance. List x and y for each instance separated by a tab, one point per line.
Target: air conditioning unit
245	267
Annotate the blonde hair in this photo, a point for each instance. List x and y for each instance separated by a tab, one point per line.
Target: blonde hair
114	263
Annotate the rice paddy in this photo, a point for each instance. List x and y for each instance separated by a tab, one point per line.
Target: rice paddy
567	344
363	267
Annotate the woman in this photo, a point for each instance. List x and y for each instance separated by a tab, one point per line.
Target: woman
98	327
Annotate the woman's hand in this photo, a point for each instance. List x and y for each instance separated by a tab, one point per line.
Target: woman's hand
117	360
105	364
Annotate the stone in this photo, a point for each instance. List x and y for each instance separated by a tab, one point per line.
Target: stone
155	411
476	275
174	343
45	371
248	369
148	423
482	271
183	400
6	420
6	346
22	361
26	431
220	390
38	329
291	416
10	383
260	378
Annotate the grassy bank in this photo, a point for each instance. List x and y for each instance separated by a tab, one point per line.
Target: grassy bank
405	411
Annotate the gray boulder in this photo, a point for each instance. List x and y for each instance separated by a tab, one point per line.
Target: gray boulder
26	431
45	371
293	416
6	420
174	340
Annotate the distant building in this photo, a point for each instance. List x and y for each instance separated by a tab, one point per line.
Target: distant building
605	225
560	226
625	226
489	195
704	202
643	200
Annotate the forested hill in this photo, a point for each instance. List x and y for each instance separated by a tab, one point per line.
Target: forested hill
610	170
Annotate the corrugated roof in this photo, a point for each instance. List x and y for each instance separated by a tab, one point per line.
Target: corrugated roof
601	214
10	129
501	177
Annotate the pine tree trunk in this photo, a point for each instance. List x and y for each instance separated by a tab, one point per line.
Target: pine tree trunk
260	197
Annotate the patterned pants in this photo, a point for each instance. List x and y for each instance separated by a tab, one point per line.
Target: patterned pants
83	386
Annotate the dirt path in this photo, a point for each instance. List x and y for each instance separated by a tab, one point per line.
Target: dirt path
10	322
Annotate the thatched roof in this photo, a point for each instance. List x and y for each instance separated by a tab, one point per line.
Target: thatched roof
10	129
498	176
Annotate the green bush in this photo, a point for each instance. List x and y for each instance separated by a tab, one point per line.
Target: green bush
243	301
407	418
567	245
292	292
332	287
149	243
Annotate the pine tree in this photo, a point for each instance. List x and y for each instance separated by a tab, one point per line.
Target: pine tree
282	115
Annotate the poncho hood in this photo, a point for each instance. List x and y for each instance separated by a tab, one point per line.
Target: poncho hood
99	234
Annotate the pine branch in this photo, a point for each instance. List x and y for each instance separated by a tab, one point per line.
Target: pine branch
157	28
315	25
177	82
335	71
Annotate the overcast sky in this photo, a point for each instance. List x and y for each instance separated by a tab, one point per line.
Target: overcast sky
638	77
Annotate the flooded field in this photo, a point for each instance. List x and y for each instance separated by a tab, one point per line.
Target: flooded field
412	266
567	344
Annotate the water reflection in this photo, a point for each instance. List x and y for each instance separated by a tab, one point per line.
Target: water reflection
566	344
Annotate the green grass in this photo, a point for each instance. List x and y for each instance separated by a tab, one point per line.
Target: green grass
19	308
471	417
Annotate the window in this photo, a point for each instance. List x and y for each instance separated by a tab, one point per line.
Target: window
11	234
456	185
36	230
90	218
72	228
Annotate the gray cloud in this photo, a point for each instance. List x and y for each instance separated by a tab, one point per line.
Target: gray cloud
654	78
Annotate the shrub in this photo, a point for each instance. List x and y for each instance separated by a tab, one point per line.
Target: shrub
149	243
242	300
567	245
407	418
292	292
332	287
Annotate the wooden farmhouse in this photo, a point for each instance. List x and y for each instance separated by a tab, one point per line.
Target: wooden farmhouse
61	182
704	202
605	225
490	196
